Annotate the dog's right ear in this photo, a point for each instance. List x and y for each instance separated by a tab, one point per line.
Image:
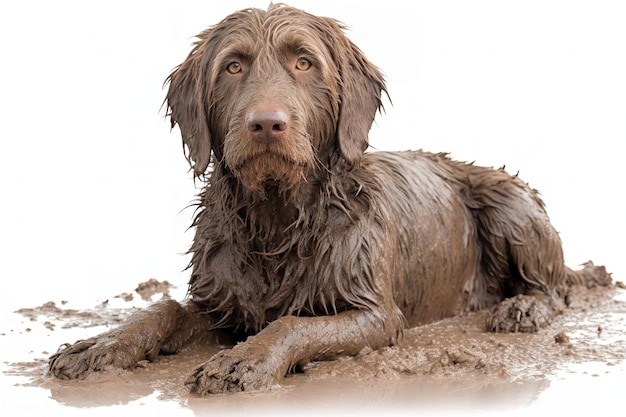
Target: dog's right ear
187	102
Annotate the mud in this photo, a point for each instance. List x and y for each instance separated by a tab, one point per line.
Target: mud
148	289
453	361
101	315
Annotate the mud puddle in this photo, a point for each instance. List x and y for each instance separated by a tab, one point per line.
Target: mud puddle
448	367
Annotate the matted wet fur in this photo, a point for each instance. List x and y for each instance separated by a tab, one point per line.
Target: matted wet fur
306	244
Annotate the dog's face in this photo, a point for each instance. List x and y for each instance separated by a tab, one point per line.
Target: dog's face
274	95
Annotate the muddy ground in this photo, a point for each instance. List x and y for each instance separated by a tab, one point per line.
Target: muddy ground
453	363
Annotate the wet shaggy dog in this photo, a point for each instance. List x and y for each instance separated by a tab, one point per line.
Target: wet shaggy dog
306	246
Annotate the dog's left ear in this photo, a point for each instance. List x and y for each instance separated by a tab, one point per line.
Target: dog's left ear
361	87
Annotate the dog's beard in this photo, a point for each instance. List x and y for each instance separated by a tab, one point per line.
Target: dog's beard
271	173
280	167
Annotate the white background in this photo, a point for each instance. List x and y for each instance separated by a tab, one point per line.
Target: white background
94	185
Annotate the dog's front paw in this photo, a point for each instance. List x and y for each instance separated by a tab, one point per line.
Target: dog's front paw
242	368
73	361
522	313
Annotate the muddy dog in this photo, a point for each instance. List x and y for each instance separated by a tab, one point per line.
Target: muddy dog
306	246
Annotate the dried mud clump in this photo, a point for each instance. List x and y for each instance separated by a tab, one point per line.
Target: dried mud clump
562	338
151	287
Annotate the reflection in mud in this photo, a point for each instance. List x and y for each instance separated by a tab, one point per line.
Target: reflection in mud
376	397
158	383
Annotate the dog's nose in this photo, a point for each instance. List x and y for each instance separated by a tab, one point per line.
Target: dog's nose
267	126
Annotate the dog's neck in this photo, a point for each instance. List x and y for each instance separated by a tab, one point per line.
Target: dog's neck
278	211
279	220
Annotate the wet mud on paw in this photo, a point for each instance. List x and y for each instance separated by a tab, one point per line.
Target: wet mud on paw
523	313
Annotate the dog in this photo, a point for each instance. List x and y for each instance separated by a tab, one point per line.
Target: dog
306	246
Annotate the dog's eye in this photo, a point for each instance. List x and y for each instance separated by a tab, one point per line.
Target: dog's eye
234	67
303	64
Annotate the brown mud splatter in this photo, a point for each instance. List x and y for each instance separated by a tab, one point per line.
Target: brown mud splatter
454	356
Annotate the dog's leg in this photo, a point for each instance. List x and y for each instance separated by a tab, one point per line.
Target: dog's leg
522	260
163	326
264	359
532	311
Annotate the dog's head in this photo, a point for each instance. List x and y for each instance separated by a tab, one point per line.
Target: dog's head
272	95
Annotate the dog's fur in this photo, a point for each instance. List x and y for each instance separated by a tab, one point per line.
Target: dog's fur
308	242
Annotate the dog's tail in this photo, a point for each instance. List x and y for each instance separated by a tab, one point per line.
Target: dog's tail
590	276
